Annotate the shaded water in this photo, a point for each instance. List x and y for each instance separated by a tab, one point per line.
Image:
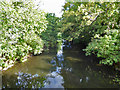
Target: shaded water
68	68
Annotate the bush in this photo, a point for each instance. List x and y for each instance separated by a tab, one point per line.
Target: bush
107	47
21	24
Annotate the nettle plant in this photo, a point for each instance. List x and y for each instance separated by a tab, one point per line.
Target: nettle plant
21	24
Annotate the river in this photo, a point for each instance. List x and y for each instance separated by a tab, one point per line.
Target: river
64	68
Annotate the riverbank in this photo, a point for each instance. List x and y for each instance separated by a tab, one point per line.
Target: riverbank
72	45
72	70
24	59
12	63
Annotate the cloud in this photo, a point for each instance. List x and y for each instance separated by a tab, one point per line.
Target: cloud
52	6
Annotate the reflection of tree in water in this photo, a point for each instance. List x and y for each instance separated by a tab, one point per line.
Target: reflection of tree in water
25	80
57	61
81	72
60	46
54	79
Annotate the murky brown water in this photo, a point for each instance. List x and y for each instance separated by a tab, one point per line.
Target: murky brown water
71	70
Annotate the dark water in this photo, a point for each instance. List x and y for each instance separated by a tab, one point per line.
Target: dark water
69	68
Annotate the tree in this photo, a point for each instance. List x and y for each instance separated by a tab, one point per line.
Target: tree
20	27
97	24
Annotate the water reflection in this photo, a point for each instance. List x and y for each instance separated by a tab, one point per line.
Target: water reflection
86	79
60	46
71	69
29	81
54	79
26	80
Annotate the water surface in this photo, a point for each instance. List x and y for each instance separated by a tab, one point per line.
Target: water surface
68	68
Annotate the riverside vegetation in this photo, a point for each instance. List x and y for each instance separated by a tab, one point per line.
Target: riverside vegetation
21	25
25	30
97	24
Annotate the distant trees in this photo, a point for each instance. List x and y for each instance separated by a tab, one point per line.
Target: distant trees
50	34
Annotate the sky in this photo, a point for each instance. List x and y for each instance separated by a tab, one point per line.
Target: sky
52	6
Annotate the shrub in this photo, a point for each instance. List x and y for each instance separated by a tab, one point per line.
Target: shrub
21	24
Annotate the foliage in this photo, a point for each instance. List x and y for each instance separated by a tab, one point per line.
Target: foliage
50	35
117	79
96	23
59	41
107	47
21	24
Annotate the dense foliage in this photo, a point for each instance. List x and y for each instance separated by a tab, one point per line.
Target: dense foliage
21	24
25	29
49	36
97	24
